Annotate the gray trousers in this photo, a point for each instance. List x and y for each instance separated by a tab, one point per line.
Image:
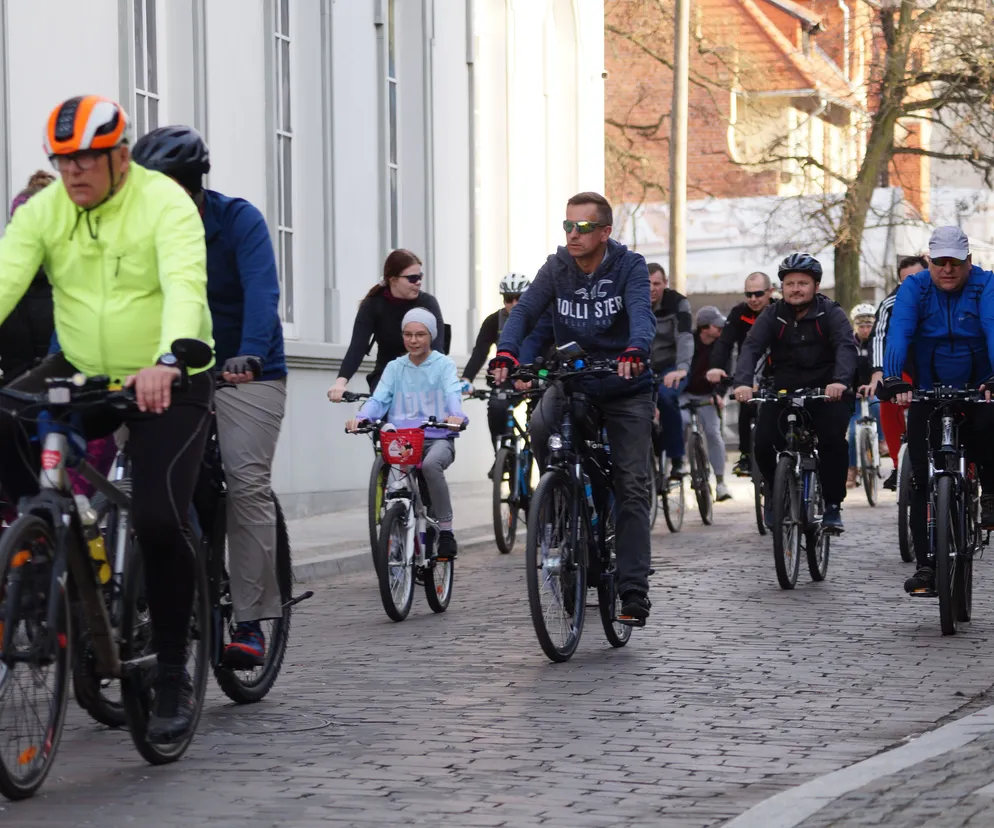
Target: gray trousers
248	426
629	431
439	455
710	420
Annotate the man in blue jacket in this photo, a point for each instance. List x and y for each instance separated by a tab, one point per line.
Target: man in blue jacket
599	291
243	292
945	316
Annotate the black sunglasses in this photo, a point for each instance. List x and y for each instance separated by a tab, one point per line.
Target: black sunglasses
582	227
754	294
414	278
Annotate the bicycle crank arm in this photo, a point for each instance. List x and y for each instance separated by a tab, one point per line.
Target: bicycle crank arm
302	597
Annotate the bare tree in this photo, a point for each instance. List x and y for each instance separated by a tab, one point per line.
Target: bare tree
932	66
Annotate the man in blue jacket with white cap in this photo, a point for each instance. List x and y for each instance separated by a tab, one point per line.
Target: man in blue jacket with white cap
599	292
945	317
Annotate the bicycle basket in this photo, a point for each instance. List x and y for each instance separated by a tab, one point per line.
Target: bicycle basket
403	447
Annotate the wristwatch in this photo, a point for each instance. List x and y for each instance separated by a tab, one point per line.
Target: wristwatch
169	360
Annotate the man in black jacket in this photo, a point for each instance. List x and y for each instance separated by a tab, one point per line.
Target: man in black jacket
811	345
758	293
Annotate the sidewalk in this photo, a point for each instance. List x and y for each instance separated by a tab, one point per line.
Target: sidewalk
338	543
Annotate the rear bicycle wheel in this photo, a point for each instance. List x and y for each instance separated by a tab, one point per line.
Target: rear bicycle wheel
905	538
505	499
394	572
963	578
34	682
946	552
868	470
247	686
817	543
376	497
700	475
608	599
759	496
137	681
554	568
786	523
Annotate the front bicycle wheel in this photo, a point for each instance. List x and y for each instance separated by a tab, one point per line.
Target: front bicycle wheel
375	498
674	498
505	499
394	571
759	495
817	544
946	552
138	678
905	538
868	470
786	523
247	686
554	567
700	476
34	674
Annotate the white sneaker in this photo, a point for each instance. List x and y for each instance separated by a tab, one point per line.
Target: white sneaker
721	493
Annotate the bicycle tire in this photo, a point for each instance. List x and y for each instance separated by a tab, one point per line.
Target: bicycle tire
786	513
654	494
231	681
963	583
674	498
946	552
17	581
817	544
608	600
759	496
554	494
700	475
375	495
869	473
136	683
905	537
393	530
439	576
505	526
88	690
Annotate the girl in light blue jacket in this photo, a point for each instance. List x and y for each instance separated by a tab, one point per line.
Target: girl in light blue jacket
423	384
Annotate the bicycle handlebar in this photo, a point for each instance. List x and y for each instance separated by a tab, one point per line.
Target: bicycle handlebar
798	394
75	392
576	368
370	426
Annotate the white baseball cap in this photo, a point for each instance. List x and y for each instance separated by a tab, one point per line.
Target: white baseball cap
948	241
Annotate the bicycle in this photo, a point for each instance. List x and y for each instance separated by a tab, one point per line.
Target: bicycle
955	534
798	505
868	451
571	519
404	555
376	490
700	464
905	540
665	488
48	579
758	483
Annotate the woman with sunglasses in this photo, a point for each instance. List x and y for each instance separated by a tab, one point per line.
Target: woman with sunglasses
379	317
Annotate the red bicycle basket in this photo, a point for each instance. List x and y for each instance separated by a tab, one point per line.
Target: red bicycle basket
403	447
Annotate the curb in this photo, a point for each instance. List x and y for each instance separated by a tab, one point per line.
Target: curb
790	808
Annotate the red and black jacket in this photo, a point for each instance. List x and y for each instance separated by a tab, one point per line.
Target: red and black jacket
740	322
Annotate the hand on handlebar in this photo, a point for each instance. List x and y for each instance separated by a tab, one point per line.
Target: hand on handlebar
743	393
715	375
454	419
520	385
153	387
835	390
336	391
672	379
352	425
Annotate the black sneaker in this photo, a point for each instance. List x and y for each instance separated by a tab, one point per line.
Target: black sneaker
743	468
987	511
635	608
172	706
891	482
922	581
831	521
446	548
676	468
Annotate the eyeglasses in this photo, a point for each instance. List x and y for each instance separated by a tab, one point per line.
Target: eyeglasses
83	161
942	261
582	227
755	294
414	278
416	334
511	297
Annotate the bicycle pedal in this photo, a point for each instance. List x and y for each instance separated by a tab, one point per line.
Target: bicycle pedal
629	621
924	593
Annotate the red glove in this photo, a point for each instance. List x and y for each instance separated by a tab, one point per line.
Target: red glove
503	359
636	356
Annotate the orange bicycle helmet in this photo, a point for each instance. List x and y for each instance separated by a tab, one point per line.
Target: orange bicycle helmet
87	122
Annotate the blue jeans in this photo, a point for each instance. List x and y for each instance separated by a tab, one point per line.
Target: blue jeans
670	419
875	412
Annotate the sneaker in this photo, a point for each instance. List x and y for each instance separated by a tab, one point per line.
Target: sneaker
922	580
172	706
247	649
891	482
743	468
882	448
635	607
852	481
676	468
987	511
721	493
447	548
768	514
831	521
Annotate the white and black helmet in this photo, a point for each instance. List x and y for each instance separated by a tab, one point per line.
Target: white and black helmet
862	311
514	284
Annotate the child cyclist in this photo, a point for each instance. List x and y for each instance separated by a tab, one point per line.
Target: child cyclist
422	384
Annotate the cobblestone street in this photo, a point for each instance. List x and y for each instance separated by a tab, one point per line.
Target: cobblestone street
736	690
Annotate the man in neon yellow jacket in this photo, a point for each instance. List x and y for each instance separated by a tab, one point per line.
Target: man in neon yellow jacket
124	250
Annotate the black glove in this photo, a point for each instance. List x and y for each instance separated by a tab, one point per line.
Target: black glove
504	359
636	356
890	387
243	365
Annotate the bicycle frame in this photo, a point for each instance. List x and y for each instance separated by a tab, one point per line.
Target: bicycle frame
867	422
949	460
404	485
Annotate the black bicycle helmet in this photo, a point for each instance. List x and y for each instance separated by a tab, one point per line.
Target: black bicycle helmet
177	151
800	263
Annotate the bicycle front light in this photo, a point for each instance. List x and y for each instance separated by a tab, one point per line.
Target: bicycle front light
555	443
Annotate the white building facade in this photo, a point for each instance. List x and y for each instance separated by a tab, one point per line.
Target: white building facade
454	128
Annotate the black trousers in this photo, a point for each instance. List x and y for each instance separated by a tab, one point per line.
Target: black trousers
747	414
830	421
976	433
497	416
166	454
